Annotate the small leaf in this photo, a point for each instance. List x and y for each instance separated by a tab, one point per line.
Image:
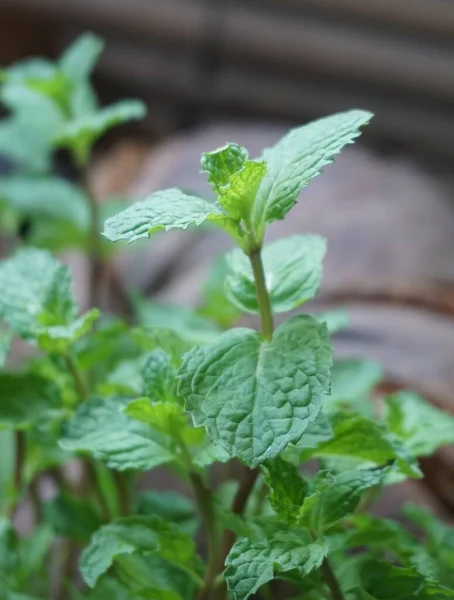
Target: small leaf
293	271
72	517
165	210
335	496
363	439
299	157
216	304
26	399
221	164
238	195
138	533
79	60
166	417
82	133
59	338
254	397
159	376
287	489
336	320
352	383
421	426
101	428
35	289
252	563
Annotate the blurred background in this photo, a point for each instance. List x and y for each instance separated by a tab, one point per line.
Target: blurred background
213	71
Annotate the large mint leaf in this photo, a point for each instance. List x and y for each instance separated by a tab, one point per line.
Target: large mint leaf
253	396
101	428
35	291
252	563
81	133
166	210
293	271
222	163
138	533
26	400
421	426
299	157
287	489
365	440
336	496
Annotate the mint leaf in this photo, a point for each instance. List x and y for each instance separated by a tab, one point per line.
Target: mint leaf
35	291
101	428
335	496
421	426
170	506
287	489
159	376
166	210
6	338
238	196
336	320
59	338
352	382
79	60
216	304
363	439
81	133
299	157
137	534
293	271
252	563
221	164
72	517
26	399
254	397
166	417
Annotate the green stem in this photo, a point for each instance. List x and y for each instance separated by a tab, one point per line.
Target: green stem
331	580
263	296
204	498
79	383
95	249
122	485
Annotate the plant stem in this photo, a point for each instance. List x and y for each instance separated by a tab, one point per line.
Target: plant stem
205	503
266	316
79	382
121	483
263	296
19	461
95	253
331	580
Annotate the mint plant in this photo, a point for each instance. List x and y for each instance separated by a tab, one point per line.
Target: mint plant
279	450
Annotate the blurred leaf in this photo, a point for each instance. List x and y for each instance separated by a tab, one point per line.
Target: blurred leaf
170	506
72	517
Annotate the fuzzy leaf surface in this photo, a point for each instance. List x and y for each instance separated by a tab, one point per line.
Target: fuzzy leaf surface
101	428
252	563
254	397
169	209
299	157
293	271
136	533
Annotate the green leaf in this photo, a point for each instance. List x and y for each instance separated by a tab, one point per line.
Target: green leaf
335	496
101	428
82	133
72	517
293	271
365	440
336	320
23	146
421	426
79	60
238	196
287	489
384	581
6	338
222	163
252	563
171	507
159	376
169	209
254	397
299	157
352	383
35	291
59	338
26	399
132	534
166	417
